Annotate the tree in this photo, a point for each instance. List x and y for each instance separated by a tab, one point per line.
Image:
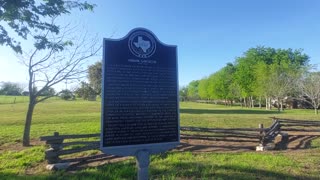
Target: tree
95	76
85	91
49	91
263	85
25	16
203	88
220	84
244	76
62	60
267	72
309	87
66	94
281	83
183	93
11	89
286	69
193	89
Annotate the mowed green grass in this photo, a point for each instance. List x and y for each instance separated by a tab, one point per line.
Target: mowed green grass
83	117
13	99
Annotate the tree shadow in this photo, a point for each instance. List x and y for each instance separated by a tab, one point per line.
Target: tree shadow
219	172
226	111
185	147
303	141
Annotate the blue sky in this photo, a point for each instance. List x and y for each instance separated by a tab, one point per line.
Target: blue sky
208	33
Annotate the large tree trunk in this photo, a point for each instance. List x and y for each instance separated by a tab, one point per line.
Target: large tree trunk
252	102
260	102
278	104
270	105
316	111
27	126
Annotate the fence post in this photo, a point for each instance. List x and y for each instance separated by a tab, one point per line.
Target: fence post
261	135
52	154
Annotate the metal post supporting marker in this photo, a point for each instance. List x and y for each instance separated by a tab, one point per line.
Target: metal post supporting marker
143	164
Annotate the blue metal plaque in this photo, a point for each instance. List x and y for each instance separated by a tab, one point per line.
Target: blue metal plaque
140	107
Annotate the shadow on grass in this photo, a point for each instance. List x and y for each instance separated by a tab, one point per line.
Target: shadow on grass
301	141
173	170
203	171
226	111
185	147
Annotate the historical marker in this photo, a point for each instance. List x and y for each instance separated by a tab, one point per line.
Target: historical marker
140	107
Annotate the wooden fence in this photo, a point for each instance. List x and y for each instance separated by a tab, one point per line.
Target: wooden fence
299	125
59	148
61	145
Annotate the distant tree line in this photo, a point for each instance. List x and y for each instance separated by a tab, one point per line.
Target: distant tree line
263	76
16	89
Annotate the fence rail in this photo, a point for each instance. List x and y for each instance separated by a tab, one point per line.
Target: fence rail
261	136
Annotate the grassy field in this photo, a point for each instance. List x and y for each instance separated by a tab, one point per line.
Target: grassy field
18	99
13	99
83	117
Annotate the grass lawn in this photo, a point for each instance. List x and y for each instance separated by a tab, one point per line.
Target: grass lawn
83	117
13	99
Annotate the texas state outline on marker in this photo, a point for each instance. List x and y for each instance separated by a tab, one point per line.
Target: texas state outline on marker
144	45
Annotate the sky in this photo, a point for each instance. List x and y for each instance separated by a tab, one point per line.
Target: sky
208	33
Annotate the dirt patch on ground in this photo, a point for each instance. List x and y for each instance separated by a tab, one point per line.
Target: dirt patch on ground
17	145
214	145
301	140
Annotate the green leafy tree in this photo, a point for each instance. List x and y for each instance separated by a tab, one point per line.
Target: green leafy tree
220	84
66	94
26	16
95	76
49	91
245	78
203	88
261	68
286	69
262	86
183	93
85	91
11	89
193	89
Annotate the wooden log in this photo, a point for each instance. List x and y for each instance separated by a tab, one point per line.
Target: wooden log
223	135
302	125
45	138
89	158
55	142
71	151
300	130
87	143
219	139
274	127
219	129
221	132
298	121
262	134
52	156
